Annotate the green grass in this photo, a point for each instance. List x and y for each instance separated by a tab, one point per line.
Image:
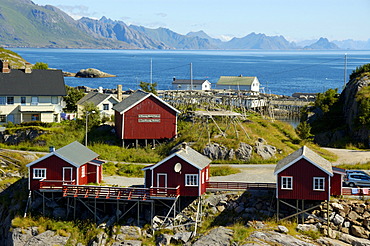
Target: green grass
120	169
79	231
358	166
223	170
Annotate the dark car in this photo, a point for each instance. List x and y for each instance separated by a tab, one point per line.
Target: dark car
357	179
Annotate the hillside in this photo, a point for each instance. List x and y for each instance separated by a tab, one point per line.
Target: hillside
25	24
350	109
15	60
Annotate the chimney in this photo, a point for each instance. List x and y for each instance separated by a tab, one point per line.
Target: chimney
5	66
28	68
119	92
51	149
184	145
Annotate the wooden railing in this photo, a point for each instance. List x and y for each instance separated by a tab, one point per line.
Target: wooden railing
106	192
240	186
54	184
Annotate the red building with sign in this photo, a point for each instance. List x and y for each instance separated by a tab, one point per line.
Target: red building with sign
144	116
185	169
72	164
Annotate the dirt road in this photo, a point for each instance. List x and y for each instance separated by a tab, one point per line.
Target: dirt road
347	156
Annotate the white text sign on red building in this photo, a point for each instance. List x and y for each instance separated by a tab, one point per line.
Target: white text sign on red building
149	118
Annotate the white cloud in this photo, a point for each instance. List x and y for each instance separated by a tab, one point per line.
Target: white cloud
78	11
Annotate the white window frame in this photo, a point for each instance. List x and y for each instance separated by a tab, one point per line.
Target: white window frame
3	100
203	177
191	180
9	100
318	183
34	100
83	172
284	183
39	173
25	100
54	100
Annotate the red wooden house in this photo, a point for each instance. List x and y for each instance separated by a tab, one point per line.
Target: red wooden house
304	175
185	169
143	115
71	164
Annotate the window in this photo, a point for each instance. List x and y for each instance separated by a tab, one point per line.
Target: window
2	118
2	100
35	117
83	172
34	100
191	179
105	106
54	100
318	183
10	100
287	183
39	173
23	100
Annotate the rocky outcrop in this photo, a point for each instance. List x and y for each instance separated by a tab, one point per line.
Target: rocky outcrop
30	236
217	237
92	73
29	134
244	152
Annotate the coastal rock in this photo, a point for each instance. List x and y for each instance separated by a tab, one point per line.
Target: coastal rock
275	238
264	150
216	151
219	236
92	73
244	152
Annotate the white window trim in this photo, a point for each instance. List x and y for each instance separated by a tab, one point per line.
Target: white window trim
36	174
83	172
196	180
282	182
316	179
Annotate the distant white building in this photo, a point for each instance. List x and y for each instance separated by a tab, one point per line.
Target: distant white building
187	84
238	83
104	102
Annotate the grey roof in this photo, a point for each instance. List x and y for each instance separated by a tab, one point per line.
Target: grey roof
76	153
189	155
94	97
133	99
129	101
194	157
37	83
308	154
187	81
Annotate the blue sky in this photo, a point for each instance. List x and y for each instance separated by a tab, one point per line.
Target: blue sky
296	20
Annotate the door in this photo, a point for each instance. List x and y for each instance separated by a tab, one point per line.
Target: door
162	182
67	175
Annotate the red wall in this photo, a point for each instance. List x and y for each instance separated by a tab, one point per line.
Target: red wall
175	179
336	185
118	124
303	173
133	129
54	170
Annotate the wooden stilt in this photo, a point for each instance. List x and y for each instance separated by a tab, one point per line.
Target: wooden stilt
277	209
302	210
117	215
95	215
74	208
136	143
327	215
43	204
138	213
297	209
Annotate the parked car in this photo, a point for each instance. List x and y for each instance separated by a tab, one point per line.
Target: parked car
357	179
356	171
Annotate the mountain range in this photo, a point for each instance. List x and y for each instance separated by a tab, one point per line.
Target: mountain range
25	24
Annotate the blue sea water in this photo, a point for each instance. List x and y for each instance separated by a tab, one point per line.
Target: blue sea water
279	72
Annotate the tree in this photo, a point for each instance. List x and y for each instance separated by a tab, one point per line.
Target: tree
149	87
41	65
303	130
73	95
326	100
93	114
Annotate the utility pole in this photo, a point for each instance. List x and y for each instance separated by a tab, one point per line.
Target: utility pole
345	70
87	115
191	76
151	71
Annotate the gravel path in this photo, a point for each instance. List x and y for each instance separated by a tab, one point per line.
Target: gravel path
347	156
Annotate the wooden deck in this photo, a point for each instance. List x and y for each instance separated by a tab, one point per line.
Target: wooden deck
120	193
